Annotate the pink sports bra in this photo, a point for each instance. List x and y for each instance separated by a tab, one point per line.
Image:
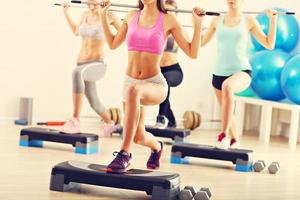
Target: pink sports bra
151	40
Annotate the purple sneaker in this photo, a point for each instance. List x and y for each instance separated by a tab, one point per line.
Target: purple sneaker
120	164
153	161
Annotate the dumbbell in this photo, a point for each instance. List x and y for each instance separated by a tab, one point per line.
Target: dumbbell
259	166
274	168
188	193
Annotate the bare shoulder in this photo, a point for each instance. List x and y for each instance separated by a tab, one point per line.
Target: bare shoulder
169	18
250	20
215	21
130	15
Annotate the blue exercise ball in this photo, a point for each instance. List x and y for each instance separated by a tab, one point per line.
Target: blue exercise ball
290	79
266	73
246	93
287	31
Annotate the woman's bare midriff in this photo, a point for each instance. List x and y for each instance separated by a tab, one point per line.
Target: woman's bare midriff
168	59
142	65
91	50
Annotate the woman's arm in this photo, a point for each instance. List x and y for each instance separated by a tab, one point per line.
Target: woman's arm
210	32
190	48
72	25
267	41
114	20
113	41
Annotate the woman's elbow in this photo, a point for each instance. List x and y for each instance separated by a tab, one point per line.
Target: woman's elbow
269	46
193	55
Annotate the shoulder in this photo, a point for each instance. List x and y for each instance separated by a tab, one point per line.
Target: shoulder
170	18
130	15
216	20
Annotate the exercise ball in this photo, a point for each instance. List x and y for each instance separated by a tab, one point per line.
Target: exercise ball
290	79
287	31
266	73
246	93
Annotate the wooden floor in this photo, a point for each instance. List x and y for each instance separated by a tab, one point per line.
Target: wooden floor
25	172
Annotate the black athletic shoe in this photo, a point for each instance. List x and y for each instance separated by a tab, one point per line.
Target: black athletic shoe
153	161
120	164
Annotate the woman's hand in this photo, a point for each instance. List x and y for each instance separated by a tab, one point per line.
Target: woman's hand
198	15
104	6
272	14
65	7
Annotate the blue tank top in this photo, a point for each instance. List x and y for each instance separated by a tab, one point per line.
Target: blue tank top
232	48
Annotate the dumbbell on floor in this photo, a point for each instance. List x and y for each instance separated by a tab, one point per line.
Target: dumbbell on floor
274	168
188	193
259	166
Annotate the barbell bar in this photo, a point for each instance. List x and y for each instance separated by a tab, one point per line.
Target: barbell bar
182	10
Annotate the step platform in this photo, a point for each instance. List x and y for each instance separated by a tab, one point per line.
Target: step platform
34	137
70	174
240	157
175	134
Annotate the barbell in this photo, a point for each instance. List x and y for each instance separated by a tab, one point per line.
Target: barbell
191	119
115	10
210	13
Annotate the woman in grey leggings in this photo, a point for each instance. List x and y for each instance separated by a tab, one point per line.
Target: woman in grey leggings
90	67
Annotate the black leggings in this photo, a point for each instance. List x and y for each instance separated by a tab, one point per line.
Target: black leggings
174	77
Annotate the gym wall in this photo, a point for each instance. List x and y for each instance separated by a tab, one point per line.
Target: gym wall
38	53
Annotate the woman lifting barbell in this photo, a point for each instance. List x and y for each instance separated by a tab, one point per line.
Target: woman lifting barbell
171	70
146	30
90	67
232	72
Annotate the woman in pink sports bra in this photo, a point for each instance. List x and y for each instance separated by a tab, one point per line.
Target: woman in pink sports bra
146	31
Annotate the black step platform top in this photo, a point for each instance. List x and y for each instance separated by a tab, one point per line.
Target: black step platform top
168	132
134	179
211	152
53	135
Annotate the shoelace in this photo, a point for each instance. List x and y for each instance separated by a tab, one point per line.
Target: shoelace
71	121
120	158
221	137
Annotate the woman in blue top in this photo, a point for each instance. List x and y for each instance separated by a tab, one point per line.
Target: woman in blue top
232	72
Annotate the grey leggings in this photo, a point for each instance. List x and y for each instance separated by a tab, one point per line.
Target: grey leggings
85	76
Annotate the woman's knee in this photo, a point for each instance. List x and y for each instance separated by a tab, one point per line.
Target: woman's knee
139	138
78	83
132	91
227	89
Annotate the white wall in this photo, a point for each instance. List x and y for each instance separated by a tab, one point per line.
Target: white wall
38	53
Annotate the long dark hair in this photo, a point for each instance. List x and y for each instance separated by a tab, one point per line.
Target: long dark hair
171	3
159	4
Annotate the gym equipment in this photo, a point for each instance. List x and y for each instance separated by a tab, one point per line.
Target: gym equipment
70	174
188	193
246	93
191	120
180	10
50	123
274	168
287	31
177	135
83	143
242	158
203	194
25	111
78	6
266	73
22	122
120	11
116	115
190	188
290	79
259	166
